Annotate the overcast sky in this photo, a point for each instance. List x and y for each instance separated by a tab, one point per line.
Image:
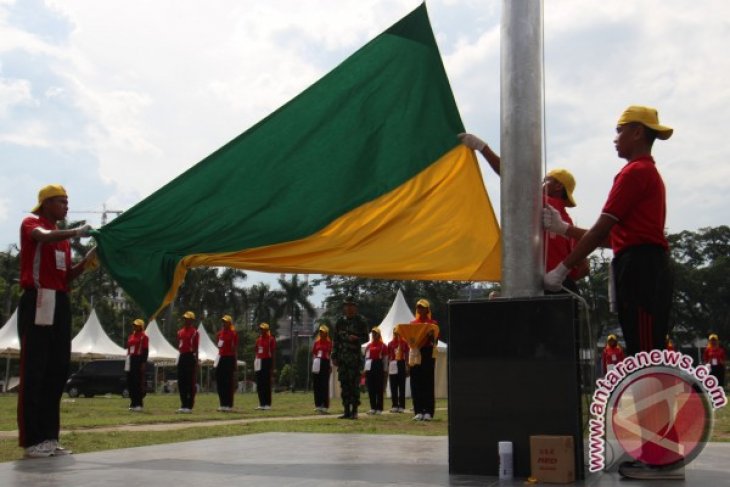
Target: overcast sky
113	99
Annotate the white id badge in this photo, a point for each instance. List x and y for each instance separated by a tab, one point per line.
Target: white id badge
45	306
261	350
714	361
316	366
368	364
393	367
60	260
256	364
367	355
319	354
131	350
613	357
127	367
220	343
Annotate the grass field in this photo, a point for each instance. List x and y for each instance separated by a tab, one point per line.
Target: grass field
93	424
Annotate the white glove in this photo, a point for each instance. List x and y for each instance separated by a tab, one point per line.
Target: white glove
472	141
553	222
84	231
553	280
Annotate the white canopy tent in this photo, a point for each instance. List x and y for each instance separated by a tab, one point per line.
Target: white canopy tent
92	342
9	340
160	349
207	350
9	346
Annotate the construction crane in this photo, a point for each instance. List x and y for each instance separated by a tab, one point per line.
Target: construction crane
104	212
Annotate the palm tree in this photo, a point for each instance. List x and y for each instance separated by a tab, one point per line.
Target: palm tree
295	301
264	305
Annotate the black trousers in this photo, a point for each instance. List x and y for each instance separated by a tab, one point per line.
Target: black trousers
45	353
719	372
136	380
422	383
186	371
643	281
398	386
225	380
263	382
321	383
375	378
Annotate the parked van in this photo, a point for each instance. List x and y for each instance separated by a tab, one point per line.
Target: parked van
105	377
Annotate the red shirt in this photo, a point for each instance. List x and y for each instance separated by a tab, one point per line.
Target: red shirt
188	339
227	342
558	246
322	349
376	350
398	349
137	343
714	356
612	356
43	264
637	202
265	346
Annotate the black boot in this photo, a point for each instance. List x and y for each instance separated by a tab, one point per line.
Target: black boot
354	413
347	414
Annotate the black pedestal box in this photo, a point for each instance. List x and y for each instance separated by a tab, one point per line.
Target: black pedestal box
513	372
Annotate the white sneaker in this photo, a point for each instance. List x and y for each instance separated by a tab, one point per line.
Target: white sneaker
401	410
418	417
372	411
378	411
393	410
266	408
41	450
58	450
180	410
427	417
324	411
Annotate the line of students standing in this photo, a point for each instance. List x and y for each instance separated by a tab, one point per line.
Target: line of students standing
396	360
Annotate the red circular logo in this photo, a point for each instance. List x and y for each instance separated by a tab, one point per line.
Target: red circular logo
661	418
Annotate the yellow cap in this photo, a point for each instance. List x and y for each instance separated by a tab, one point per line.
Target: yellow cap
423	303
227	318
564	177
324	328
646	116
138	322
46	192
713	336
611	337
264	326
189	315
375	330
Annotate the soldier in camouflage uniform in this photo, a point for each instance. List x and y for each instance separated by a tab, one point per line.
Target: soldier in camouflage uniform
351	332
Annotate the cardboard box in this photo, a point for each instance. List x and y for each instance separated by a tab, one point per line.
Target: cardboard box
552	459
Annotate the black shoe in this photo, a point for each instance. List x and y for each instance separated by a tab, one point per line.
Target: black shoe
347	415
354	413
642	471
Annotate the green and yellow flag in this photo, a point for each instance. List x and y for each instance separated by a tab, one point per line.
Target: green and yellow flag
361	174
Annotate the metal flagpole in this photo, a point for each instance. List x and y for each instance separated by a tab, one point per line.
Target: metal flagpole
521	148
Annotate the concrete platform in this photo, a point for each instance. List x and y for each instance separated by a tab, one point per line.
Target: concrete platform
298	459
